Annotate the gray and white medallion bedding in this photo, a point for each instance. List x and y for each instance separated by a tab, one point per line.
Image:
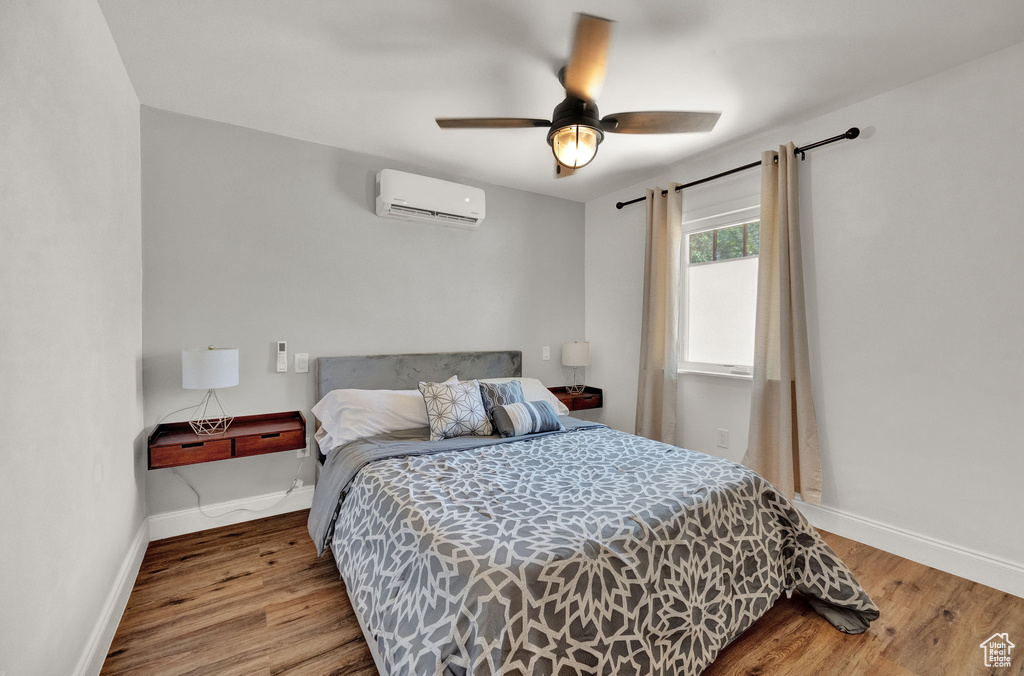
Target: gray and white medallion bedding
588	551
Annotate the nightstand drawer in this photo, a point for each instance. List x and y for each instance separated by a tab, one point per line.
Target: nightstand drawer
187	454
269	442
590	397
571	403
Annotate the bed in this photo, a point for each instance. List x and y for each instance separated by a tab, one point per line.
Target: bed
581	551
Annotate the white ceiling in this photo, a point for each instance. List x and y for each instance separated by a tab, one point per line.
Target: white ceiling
371	75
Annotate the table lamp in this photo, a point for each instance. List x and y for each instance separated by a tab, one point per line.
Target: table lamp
209	368
577	356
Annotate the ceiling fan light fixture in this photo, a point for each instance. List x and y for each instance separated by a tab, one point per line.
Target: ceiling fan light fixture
575	145
576	128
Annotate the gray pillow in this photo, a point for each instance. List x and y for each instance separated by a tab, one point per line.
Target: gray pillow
500	394
455	410
525	417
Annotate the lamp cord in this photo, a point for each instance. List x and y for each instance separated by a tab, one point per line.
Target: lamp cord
184	408
199	500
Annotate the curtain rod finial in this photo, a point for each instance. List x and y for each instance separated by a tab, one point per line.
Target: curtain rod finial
619	205
852	132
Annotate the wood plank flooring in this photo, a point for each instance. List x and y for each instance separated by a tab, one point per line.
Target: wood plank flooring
253	599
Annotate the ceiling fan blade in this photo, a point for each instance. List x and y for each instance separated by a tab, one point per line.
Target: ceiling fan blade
584	74
490	122
561	171
659	122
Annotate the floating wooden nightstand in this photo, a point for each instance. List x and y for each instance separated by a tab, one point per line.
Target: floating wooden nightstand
175	444
590	397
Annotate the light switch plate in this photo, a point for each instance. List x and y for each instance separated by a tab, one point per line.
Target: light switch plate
301	363
546	353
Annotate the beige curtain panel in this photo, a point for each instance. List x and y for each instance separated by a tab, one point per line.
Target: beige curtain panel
659	338
783	440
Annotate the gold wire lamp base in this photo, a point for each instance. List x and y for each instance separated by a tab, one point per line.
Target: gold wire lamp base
203	423
575	384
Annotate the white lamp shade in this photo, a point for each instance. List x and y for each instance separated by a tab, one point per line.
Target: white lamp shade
576	354
209	368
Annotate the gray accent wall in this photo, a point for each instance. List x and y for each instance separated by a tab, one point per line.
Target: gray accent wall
250	238
71	502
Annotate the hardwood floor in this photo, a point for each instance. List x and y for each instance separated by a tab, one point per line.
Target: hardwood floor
253	599
250	599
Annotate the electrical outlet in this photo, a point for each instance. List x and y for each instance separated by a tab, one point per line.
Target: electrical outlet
723	439
546	353
303	452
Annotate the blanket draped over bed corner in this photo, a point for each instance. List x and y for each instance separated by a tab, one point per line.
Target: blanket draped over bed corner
590	551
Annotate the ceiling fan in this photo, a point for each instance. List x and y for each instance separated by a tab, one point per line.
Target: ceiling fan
575	128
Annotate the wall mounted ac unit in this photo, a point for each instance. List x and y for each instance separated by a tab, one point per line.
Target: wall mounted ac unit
421	198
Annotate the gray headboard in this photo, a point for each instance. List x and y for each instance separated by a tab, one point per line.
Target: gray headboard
405	371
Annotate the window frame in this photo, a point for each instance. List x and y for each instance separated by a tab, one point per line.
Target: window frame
739	212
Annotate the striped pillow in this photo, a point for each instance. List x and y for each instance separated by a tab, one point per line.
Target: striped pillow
527	417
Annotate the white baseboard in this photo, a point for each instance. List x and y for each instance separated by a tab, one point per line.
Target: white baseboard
91	661
988	570
170	524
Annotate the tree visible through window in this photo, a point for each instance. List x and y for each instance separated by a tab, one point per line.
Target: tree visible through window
734	241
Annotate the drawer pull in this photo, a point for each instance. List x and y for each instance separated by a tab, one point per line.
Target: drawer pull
270	436
195	445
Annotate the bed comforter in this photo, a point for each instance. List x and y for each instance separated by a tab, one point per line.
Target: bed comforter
586	552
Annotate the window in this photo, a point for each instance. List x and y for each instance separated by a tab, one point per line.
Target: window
720	295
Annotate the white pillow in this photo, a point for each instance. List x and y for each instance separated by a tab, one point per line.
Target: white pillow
533	390
347	415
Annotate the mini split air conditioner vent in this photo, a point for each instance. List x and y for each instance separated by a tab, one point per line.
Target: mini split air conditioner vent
398	210
421	198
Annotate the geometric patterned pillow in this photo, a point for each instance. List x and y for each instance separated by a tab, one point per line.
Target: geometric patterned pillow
500	394
455	410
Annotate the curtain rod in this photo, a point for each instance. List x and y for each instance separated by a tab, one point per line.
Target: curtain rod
851	133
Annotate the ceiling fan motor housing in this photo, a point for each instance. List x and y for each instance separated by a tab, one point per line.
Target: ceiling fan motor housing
575	111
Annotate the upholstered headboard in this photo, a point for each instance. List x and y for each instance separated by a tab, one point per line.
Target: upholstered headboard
405	371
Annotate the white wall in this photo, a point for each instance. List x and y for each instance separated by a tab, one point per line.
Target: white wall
913	254
250	238
71	498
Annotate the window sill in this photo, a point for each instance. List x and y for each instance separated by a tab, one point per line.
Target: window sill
717	374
